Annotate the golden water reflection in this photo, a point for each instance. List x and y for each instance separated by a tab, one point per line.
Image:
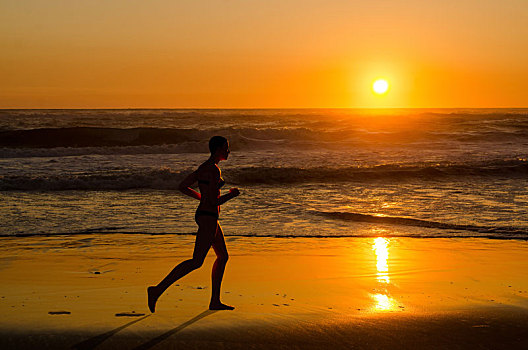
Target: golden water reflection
383	302
381	249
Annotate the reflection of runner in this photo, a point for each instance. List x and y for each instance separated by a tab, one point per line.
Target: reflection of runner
209	231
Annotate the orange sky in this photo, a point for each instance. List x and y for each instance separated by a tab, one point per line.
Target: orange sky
262	53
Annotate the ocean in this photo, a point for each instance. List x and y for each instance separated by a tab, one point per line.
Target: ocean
301	172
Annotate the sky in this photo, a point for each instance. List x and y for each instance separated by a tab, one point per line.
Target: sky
263	53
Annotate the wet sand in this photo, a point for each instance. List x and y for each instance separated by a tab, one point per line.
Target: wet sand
88	292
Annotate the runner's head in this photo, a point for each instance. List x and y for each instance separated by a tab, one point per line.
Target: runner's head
218	145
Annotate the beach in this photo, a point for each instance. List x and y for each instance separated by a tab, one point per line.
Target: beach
89	291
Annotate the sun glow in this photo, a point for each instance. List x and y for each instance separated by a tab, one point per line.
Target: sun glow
380	86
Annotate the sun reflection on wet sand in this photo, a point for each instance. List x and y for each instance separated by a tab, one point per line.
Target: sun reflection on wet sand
381	249
383	302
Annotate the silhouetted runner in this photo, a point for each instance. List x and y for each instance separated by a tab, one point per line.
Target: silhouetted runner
209	233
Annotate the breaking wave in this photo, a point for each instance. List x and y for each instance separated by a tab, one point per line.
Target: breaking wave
502	231
99	140
168	179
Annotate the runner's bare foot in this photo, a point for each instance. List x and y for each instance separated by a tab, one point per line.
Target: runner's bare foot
220	306
152	296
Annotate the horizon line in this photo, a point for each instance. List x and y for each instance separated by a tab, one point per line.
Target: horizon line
243	108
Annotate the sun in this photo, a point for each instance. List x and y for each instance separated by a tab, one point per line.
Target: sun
380	86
